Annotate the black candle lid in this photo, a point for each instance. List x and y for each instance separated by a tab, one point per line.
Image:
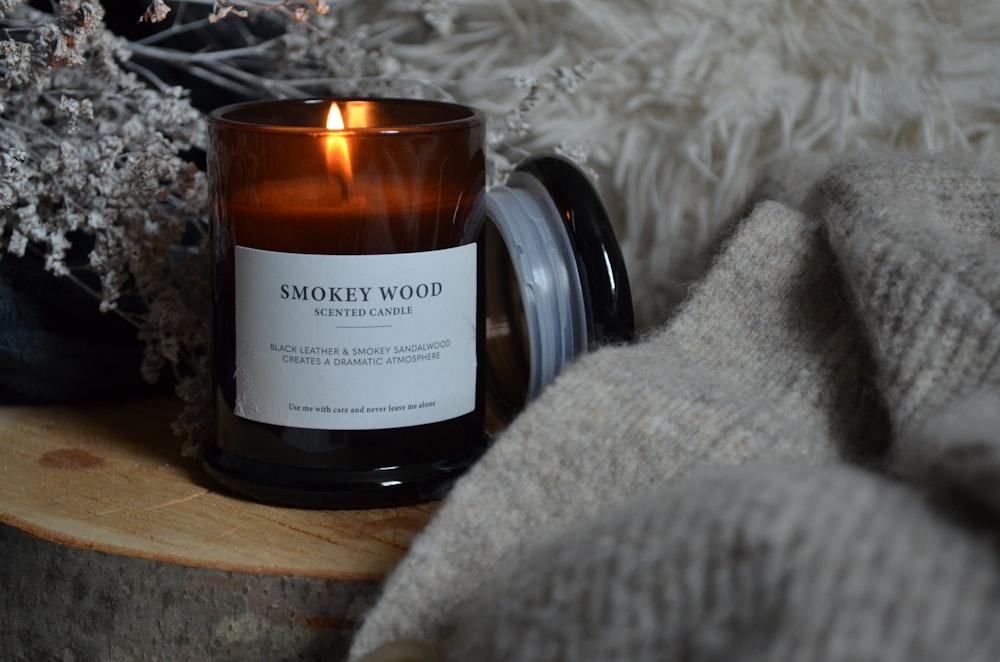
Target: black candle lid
556	280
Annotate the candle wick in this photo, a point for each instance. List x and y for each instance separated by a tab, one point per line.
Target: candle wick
338	180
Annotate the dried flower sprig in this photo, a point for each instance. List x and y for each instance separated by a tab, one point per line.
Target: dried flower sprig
91	154
158	10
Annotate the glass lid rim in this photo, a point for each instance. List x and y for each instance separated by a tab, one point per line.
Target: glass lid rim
595	255
603	273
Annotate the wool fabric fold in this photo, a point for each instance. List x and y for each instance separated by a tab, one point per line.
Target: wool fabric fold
803	463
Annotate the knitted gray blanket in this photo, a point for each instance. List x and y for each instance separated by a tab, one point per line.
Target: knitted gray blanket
803	464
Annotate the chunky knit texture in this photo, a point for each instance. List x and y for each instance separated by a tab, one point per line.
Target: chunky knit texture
804	463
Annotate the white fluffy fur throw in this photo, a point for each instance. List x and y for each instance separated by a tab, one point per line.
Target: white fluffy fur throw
691	96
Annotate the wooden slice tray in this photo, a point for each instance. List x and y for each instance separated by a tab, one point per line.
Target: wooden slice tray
114	547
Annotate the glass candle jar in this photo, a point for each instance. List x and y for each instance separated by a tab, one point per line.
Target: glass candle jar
354	347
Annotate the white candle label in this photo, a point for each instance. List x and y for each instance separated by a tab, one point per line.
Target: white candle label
355	342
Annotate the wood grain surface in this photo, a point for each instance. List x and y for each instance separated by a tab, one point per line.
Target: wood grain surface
116	547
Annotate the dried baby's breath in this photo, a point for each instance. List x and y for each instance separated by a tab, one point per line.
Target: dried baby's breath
87	150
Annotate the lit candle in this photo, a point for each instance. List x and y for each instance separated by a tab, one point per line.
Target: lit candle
348	299
338	156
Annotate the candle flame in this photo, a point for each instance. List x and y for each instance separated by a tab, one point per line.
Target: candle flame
338	155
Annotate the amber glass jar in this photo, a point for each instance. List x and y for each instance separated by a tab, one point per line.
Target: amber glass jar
348	309
378	315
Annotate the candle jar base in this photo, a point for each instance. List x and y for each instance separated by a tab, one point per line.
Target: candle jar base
341	469
300	487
